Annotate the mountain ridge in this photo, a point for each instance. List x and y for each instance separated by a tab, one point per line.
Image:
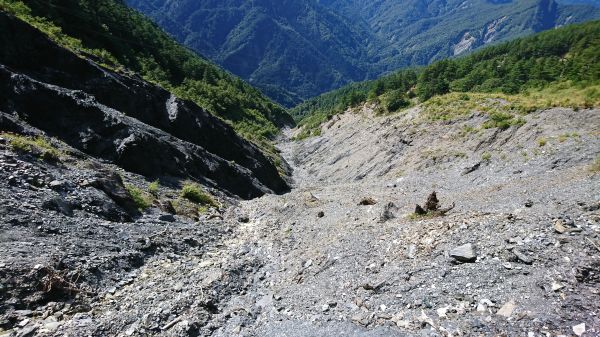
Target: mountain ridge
317	46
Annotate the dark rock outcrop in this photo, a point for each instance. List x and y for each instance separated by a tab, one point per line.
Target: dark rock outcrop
139	126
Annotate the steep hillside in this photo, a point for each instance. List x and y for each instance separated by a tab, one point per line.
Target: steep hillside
342	254
118	117
294	50
290	49
122	39
554	68
424	31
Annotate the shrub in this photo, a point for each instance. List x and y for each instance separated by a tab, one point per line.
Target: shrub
486	156
153	187
194	193
542	142
396	101
596	165
503	121
141	200
37	146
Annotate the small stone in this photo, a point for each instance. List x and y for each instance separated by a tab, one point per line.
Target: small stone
244	219
367	202
325	308
56	184
362	319
28	331
401	323
507	265
579	329
441	312
556	286
52	326
411	251
167	218
507	309
24	322
559	226
464	253
529	204
320	214
522	257
130	331
388	212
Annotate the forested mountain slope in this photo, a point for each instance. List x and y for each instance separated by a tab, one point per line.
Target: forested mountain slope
73	70
119	37
290	49
563	62
293	50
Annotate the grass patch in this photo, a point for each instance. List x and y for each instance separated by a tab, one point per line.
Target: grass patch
195	193
37	146
203	209
503	121
565	136
595	165
153	188
141	199
503	110
542	142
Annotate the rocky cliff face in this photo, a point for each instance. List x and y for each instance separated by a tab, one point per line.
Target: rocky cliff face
123	119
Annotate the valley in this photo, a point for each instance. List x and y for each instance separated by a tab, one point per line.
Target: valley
295	50
145	191
341	254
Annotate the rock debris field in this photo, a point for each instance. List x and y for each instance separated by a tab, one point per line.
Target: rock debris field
512	249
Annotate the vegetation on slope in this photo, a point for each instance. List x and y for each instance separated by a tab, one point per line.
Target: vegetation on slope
290	49
118	37
296	49
552	68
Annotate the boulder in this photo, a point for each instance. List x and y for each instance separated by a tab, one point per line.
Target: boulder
464	253
60	205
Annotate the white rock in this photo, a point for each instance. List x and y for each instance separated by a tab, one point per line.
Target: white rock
507	309
411	251
52	326
579	329
556	286
442	312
